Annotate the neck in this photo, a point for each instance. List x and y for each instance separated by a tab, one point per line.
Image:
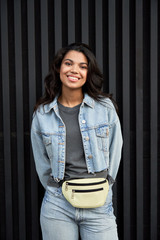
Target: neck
70	99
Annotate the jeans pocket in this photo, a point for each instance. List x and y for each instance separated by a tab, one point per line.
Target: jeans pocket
109	210
54	191
106	210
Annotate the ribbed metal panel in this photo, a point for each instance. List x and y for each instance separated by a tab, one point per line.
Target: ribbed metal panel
31	9
6	132
58	24
124	36
126	118
19	120
85	21
139	118
154	120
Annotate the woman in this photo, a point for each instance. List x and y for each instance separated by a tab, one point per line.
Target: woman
75	135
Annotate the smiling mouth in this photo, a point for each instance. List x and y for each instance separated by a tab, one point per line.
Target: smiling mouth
73	79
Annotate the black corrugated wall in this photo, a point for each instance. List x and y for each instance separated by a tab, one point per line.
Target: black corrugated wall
125	36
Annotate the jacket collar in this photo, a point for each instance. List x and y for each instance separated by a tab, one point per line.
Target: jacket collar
53	105
88	100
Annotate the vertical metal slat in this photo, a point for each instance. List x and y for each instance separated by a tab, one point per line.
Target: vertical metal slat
44	40
19	114
112	46
58	24
154	117
85	21
71	21
32	100
6	120
126	118
99	33
139	116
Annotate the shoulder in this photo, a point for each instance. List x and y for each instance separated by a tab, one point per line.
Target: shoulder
38	113
102	102
107	103
37	116
109	110
46	108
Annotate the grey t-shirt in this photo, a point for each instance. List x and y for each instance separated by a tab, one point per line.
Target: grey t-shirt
75	159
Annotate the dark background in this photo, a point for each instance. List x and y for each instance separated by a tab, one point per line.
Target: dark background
124	35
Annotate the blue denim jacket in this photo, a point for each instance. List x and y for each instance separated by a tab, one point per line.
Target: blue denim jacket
101	136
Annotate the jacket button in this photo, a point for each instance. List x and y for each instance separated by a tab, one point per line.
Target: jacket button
90	156
87	138
83	121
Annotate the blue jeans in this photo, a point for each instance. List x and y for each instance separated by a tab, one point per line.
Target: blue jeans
61	221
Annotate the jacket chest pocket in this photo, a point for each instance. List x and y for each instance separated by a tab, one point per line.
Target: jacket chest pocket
102	134
47	140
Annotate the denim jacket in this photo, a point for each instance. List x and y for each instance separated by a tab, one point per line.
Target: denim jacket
101	137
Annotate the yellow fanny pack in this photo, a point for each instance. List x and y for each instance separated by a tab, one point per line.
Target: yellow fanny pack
86	193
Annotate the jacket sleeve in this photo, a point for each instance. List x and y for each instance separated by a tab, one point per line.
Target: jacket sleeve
115	148
41	159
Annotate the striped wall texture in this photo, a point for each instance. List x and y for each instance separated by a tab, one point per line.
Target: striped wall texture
125	37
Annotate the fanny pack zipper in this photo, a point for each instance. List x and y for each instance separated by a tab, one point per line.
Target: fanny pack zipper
85	184
85	191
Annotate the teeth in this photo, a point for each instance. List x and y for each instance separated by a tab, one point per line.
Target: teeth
74	78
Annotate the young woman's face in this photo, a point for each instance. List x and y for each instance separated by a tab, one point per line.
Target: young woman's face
73	70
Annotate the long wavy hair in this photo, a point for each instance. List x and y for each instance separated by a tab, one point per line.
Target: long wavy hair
93	85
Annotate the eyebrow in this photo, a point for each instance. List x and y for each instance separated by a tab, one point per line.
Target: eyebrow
67	59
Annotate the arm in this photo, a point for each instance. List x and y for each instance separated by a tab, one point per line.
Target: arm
115	147
41	159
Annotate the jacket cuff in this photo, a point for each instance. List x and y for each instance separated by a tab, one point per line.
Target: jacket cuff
110	179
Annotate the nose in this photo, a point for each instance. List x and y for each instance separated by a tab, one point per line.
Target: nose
74	69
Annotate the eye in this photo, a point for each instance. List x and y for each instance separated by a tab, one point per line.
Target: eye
68	63
84	67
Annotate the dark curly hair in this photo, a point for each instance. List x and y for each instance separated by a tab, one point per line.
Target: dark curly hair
93	85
